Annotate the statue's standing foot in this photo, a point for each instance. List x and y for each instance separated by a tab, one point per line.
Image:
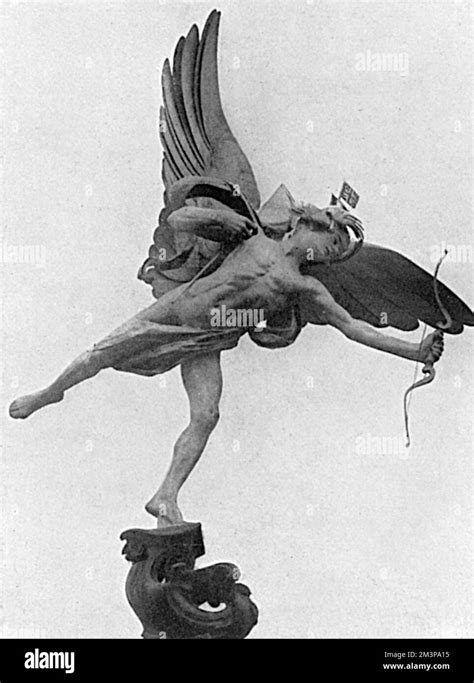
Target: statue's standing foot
26	405
165	509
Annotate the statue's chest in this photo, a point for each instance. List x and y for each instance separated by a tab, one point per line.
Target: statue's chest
259	277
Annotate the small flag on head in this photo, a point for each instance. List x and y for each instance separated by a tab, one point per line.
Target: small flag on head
348	195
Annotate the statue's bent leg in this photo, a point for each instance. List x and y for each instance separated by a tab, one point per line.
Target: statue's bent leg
202	379
86	365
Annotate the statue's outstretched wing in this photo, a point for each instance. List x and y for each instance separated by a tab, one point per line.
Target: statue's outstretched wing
384	288
197	141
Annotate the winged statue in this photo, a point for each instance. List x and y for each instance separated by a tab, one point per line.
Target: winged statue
217	249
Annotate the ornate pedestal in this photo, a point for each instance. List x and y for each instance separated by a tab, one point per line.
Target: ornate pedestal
167	593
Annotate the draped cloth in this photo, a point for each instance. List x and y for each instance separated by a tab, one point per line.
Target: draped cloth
148	348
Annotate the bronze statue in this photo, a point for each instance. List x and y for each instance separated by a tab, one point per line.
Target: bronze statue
216	247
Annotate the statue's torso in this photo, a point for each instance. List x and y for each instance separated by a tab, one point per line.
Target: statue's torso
254	276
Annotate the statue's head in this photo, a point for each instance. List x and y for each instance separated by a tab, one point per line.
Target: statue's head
322	235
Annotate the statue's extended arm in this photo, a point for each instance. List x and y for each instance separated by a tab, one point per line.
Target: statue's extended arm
333	314
219	225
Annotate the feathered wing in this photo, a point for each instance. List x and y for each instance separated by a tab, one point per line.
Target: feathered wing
384	288
197	141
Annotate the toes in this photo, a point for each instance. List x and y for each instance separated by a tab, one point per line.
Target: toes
13	409
16	412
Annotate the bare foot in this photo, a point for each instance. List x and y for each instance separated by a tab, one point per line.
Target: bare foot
165	510
26	405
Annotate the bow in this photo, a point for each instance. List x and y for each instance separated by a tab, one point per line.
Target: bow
428	369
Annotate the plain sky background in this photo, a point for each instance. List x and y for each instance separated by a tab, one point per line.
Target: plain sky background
335	539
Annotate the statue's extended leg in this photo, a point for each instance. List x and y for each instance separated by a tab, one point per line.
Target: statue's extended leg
202	379
86	365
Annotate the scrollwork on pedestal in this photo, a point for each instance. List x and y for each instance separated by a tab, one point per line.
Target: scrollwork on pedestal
167	593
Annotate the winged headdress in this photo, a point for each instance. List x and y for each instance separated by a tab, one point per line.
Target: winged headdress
203	163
